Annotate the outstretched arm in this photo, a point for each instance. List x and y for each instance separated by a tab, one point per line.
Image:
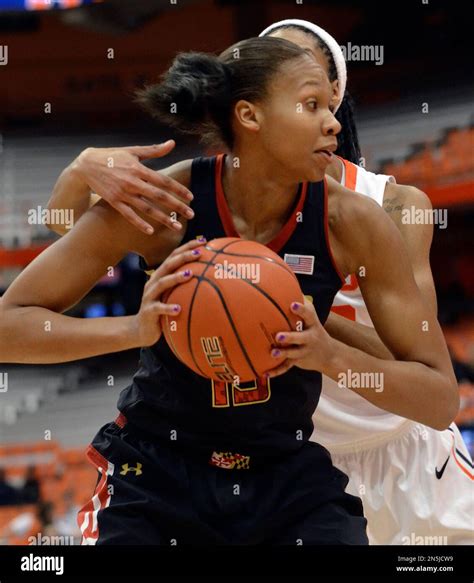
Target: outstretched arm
32	326
118	176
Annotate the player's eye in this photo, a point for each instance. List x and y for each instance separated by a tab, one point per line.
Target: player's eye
312	104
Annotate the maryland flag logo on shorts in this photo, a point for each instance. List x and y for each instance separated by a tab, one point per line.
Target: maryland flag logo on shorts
230	461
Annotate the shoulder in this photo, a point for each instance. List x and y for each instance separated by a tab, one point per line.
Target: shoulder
181	172
357	224
347	207
403	204
153	248
113	229
399	196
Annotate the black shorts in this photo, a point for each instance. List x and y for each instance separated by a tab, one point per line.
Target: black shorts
150	493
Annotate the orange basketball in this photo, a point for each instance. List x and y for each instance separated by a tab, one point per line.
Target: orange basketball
237	299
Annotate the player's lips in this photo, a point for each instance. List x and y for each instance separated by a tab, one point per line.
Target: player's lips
327	152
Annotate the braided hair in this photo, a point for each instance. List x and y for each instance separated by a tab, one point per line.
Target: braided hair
348	140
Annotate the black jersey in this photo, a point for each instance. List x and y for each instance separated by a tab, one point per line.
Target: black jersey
261	418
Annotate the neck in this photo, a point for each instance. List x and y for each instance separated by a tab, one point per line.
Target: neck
259	200
334	170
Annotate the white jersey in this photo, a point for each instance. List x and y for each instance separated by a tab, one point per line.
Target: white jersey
343	420
405	473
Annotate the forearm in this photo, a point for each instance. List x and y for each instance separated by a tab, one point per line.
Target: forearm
70	194
357	335
409	389
34	335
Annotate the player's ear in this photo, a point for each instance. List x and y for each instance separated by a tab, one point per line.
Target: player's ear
247	115
335	91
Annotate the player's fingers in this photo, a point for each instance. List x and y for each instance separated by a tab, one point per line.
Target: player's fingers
161	309
172	263
183	254
289	338
306	312
159	286
280	369
156	214
191	244
153	151
132	217
164	182
291	353
152	196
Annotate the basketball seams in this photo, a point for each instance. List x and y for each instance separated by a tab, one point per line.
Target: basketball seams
250	256
200	279
268	297
188	329
231	322
213	260
269	259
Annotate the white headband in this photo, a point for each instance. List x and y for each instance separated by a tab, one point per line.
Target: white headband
331	42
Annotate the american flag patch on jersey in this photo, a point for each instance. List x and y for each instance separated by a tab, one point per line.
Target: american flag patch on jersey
300	263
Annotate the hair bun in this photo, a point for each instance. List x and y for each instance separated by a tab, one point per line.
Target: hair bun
201	83
190	93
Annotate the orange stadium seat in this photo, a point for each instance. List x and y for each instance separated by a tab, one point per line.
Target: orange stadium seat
448	163
65	470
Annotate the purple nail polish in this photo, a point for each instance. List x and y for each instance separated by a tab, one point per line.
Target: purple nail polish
295	306
276	352
196	252
202	239
187	272
176	308
281	337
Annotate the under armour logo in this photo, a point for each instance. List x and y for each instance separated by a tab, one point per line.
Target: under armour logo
126	468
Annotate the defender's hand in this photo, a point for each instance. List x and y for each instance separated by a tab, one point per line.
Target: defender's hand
120	178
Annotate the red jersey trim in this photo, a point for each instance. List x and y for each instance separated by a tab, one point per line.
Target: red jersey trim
121	420
226	218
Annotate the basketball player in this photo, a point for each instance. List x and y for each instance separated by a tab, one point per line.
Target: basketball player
405	472
361	437
164	454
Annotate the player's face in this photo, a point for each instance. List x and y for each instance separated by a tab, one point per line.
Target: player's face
306	42
297	127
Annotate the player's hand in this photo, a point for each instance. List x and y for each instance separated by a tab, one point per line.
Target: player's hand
305	349
146	325
120	178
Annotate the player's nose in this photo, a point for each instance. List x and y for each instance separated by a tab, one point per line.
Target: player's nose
331	127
